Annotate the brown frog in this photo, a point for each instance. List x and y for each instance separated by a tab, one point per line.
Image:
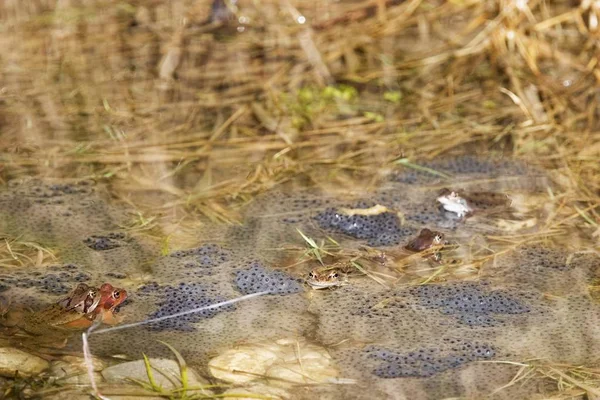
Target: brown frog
76	311
427	239
110	298
83	299
324	279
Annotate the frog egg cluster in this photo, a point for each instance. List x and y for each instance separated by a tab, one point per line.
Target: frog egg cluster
545	257
40	190
180	298
285	207
408	326
105	242
461	165
197	263
433	371
115	275
56	214
547	270
432	214
383	229
470	302
468	164
56	280
8	281
206	256
426	362
258	278
289	202
54	284
305	201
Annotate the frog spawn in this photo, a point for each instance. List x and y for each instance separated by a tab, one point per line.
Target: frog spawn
436	170
258	279
200	277
48	282
514	323
188	296
426	362
396	212
75	221
565	273
472	303
106	242
385	218
412	332
57	213
381	228
180	298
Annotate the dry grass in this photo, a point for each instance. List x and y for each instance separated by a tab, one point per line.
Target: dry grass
16	253
569	381
181	117
153	100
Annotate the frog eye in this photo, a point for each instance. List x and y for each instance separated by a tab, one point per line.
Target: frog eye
116	294
334	275
311	274
437	238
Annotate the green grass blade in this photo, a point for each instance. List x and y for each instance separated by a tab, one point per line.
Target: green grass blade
182	365
308	240
150	374
405	162
585	216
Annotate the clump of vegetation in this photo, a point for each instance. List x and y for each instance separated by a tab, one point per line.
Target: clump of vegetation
16	252
308	104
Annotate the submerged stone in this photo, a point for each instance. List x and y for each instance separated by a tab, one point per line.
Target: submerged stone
166	374
15	363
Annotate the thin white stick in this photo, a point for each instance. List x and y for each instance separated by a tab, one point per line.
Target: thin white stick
179	314
87	357
87	354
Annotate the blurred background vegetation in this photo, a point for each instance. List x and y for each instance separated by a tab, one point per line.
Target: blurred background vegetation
205	104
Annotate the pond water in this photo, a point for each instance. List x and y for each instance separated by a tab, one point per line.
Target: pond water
417	222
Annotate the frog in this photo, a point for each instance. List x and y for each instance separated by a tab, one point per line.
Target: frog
110	298
466	203
76	311
324	279
452	202
425	240
84	299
